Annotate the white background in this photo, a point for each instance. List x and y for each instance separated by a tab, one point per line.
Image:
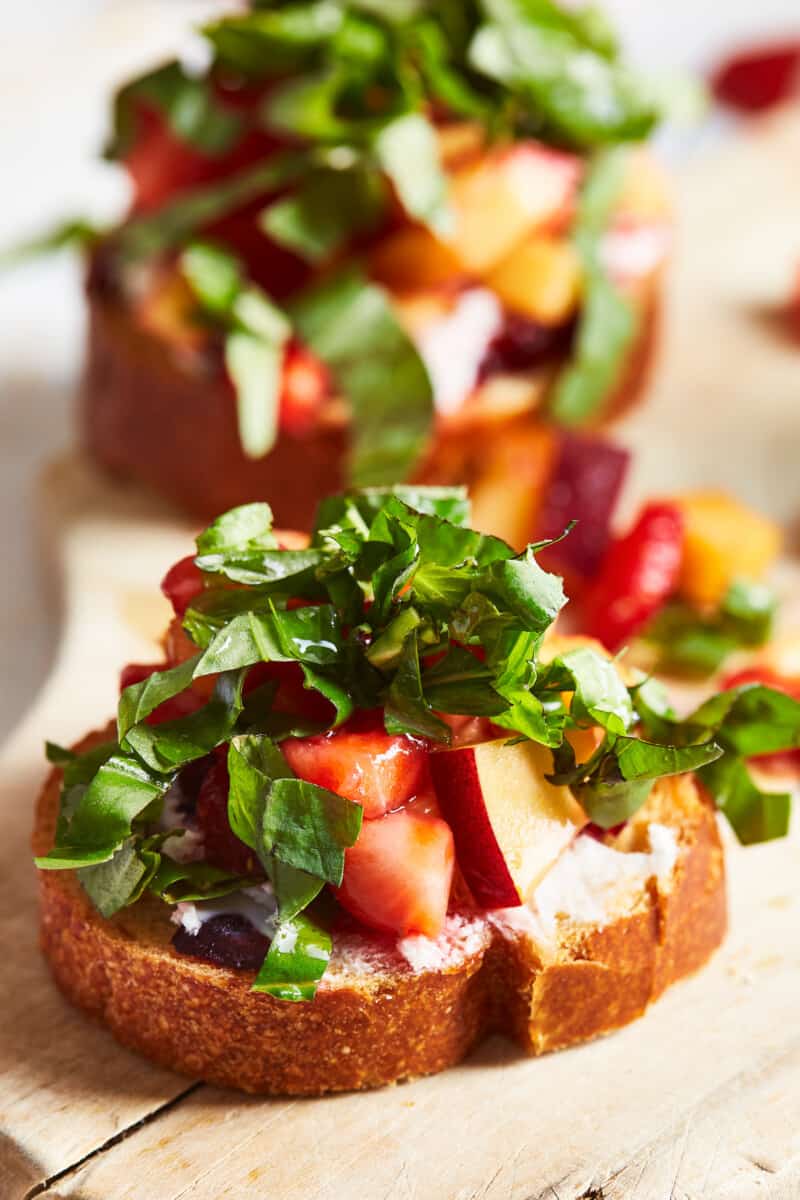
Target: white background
59	62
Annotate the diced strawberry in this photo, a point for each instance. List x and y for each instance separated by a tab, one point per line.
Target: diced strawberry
376	770
398	875
638	574
760	77
222	847
292	695
179	706
304	385
182	583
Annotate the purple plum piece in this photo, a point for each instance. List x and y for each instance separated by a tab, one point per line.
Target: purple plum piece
522	344
227	940
584	487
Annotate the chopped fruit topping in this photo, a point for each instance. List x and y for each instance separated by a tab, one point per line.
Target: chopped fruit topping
304	386
227	940
759	78
460	141
181	584
540	279
508	195
522	345
372	768
397	877
645	195
724	540
508	494
414	258
584	487
638	574
510	825
222	847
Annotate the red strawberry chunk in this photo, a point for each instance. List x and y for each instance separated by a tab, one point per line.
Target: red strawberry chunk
376	770
181	584
639	573
304	386
398	875
222	847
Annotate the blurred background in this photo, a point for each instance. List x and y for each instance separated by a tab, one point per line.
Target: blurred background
61	61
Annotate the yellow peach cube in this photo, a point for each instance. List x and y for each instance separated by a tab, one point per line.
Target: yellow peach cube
540	279
724	540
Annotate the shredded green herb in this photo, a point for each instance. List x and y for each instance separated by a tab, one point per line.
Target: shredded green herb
410	611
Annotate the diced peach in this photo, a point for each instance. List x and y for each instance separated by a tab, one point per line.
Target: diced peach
460	141
507	495
541	279
414	258
723	539
168	310
645	196
506	196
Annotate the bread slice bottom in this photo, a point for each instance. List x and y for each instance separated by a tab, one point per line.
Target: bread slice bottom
385	1012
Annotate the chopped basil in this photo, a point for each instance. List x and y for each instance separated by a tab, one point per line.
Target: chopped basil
256	332
121	880
348	322
608	321
189	105
405	612
686	640
407	150
166	747
329	207
296	960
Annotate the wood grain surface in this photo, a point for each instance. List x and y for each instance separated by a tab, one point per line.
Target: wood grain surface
699	1101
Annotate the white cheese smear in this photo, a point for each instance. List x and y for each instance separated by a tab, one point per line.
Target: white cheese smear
453	347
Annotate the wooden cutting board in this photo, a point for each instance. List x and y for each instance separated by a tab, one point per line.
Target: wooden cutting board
701	1099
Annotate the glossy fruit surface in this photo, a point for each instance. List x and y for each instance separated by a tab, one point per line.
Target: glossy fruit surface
372	768
639	573
397	877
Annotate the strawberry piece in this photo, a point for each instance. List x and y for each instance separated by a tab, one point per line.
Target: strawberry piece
398	875
638	574
222	847
757	79
376	770
304	386
292	695
182	582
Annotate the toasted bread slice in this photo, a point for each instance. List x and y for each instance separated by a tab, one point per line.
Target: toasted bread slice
167	418
619	923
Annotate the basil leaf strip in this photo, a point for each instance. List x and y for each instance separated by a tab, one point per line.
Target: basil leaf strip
348	322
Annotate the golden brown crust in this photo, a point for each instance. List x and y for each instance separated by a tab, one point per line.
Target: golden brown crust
384	1023
166	417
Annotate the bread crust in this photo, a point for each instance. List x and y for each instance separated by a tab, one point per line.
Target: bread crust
375	1020
171	424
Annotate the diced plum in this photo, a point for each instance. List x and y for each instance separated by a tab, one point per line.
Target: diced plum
584	487
227	940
